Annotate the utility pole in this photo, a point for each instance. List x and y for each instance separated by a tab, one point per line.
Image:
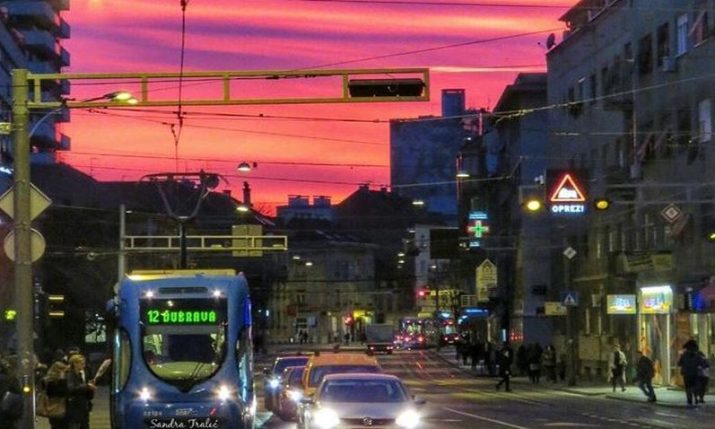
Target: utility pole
24	299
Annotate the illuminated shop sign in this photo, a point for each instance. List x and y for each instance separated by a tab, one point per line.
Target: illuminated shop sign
656	300
566	192
477	227
621	304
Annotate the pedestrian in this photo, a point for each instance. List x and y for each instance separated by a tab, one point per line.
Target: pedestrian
80	392
533	356
505	358
490	355
52	396
617	364
549	361
346	338
11	400
561	367
688	363
522	362
476	352
703	379
644	374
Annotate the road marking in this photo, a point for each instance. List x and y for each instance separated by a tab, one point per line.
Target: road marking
486	419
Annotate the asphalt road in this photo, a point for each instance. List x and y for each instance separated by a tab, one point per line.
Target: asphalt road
456	399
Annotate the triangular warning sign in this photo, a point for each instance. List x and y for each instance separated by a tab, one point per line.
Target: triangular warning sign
569	300
567	191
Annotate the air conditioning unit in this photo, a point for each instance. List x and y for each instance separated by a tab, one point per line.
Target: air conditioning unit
670	64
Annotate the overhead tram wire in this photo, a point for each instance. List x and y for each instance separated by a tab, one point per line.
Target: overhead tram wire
180	118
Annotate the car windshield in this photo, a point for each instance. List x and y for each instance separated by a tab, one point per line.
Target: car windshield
359	390
318	372
183	339
296	376
285	362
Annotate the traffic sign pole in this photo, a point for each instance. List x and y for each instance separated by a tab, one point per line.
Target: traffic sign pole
24	298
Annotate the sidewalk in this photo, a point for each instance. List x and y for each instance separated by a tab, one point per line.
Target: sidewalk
666	396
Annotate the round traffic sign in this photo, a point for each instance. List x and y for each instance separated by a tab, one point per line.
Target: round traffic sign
37	245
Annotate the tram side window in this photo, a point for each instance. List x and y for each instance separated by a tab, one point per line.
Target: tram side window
244	359
122	359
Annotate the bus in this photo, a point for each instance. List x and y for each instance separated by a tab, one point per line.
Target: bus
419	332
182	351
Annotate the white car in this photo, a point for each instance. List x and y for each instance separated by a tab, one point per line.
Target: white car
361	400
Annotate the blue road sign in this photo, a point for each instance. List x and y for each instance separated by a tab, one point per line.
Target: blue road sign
569	299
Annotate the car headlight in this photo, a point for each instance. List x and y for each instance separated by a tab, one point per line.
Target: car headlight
223	393
295	395
408	419
145	394
273	383
326	418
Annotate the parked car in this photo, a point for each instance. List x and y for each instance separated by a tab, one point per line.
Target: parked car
361	400
272	381
292	392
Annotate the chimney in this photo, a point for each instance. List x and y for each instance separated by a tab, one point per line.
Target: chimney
247	194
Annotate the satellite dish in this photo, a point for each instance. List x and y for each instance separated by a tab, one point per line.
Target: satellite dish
550	41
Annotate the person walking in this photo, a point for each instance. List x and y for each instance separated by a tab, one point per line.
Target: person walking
549	361
617	364
703	379
504	358
54	403
534	353
645	373
688	363
79	394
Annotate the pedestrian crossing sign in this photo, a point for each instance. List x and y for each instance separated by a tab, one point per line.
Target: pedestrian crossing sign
569	299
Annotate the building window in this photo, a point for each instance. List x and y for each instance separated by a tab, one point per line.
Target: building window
699	31
645	55
663	43
705	121
682	35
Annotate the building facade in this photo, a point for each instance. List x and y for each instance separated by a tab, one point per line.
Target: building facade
630	101
422	154
31	35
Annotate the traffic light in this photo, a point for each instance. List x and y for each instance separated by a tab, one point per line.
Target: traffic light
422	293
601	204
10	315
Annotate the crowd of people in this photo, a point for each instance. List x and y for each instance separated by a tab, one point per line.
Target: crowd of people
64	390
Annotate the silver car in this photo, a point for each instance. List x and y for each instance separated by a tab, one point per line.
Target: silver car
361	400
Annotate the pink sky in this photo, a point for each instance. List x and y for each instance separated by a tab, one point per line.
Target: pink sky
145	35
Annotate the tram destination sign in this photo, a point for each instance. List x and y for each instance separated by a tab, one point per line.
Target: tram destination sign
183	312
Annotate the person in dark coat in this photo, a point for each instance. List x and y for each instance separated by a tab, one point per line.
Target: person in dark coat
688	363
549	360
79	394
703	379
505	358
8	383
645	373
55	385
522	362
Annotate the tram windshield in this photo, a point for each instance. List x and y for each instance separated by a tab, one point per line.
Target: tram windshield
183	340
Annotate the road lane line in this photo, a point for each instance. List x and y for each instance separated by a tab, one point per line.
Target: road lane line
486	419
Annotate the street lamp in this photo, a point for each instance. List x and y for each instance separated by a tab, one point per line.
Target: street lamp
245	167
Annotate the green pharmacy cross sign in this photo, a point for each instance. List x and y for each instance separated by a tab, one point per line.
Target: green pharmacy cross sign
477	227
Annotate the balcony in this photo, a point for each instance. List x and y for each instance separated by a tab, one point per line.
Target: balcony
63	30
60	5
64	58
40	42
35	13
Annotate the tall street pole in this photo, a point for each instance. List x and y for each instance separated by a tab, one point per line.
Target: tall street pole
24	299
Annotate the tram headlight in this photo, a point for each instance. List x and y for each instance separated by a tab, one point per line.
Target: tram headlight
274	383
326	418
408	419
145	394
223	393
